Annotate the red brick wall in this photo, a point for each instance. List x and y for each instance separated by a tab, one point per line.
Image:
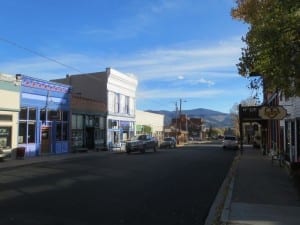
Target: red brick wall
87	105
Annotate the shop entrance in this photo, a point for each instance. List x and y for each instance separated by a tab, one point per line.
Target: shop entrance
46	140
90	139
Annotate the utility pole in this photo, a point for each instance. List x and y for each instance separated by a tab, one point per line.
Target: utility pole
176	126
180	103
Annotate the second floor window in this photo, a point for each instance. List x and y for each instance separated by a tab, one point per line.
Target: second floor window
117	103
126	104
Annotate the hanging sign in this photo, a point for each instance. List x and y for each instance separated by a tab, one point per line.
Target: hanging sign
272	112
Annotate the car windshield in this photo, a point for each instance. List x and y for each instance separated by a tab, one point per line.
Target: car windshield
168	139
232	138
140	137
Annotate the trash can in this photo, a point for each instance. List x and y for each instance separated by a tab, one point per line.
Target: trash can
20	152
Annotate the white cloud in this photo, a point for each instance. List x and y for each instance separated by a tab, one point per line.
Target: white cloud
175	93
204	81
209	61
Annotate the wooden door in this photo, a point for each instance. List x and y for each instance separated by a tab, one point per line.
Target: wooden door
46	140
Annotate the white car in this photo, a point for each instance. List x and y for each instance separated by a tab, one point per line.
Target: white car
230	142
4	152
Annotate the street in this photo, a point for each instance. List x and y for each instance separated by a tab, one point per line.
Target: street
171	186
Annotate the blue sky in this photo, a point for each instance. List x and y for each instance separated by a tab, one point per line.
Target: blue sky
178	49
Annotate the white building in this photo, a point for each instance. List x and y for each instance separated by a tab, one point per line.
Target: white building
9	112
118	93
151	123
291	126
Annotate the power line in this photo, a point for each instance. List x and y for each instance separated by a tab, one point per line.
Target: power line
38	54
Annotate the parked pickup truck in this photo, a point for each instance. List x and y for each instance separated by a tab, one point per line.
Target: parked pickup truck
141	143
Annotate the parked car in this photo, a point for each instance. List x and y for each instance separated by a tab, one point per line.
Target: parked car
230	142
4	152
141	143
168	142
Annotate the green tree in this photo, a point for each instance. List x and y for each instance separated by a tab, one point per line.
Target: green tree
272	48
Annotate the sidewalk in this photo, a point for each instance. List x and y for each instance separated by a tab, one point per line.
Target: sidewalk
11	162
260	193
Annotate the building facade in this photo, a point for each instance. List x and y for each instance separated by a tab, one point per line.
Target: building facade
88	128
44	118
9	113
291	127
150	123
117	92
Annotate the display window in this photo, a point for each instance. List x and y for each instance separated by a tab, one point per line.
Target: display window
27	125
5	137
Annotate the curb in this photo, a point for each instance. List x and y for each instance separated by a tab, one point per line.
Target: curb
15	163
220	209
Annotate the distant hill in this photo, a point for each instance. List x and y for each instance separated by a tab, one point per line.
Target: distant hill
211	117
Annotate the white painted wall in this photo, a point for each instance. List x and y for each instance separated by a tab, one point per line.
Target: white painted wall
154	120
10	105
124	85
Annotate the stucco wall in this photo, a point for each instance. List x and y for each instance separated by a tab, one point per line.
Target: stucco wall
10	104
154	120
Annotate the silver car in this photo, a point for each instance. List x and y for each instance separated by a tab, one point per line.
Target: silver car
168	142
230	142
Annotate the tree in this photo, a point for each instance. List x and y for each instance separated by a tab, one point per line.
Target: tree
214	132
234	115
272	44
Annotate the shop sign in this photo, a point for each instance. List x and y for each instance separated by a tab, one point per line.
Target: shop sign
272	112
249	113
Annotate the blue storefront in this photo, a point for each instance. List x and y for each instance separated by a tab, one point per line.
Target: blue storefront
44	118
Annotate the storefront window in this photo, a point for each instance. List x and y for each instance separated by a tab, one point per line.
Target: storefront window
89	121
5	137
77	122
27	125
112	124
54	115
77	138
32	114
74	121
65	115
65	132
31	133
22	133
58	132
96	121
102	123
61	131
43	115
23	114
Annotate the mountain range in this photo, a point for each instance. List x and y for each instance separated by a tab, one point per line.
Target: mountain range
210	117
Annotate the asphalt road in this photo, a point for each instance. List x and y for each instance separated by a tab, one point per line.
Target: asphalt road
167	187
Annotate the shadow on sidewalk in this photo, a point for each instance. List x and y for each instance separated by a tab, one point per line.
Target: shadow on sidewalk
295	174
